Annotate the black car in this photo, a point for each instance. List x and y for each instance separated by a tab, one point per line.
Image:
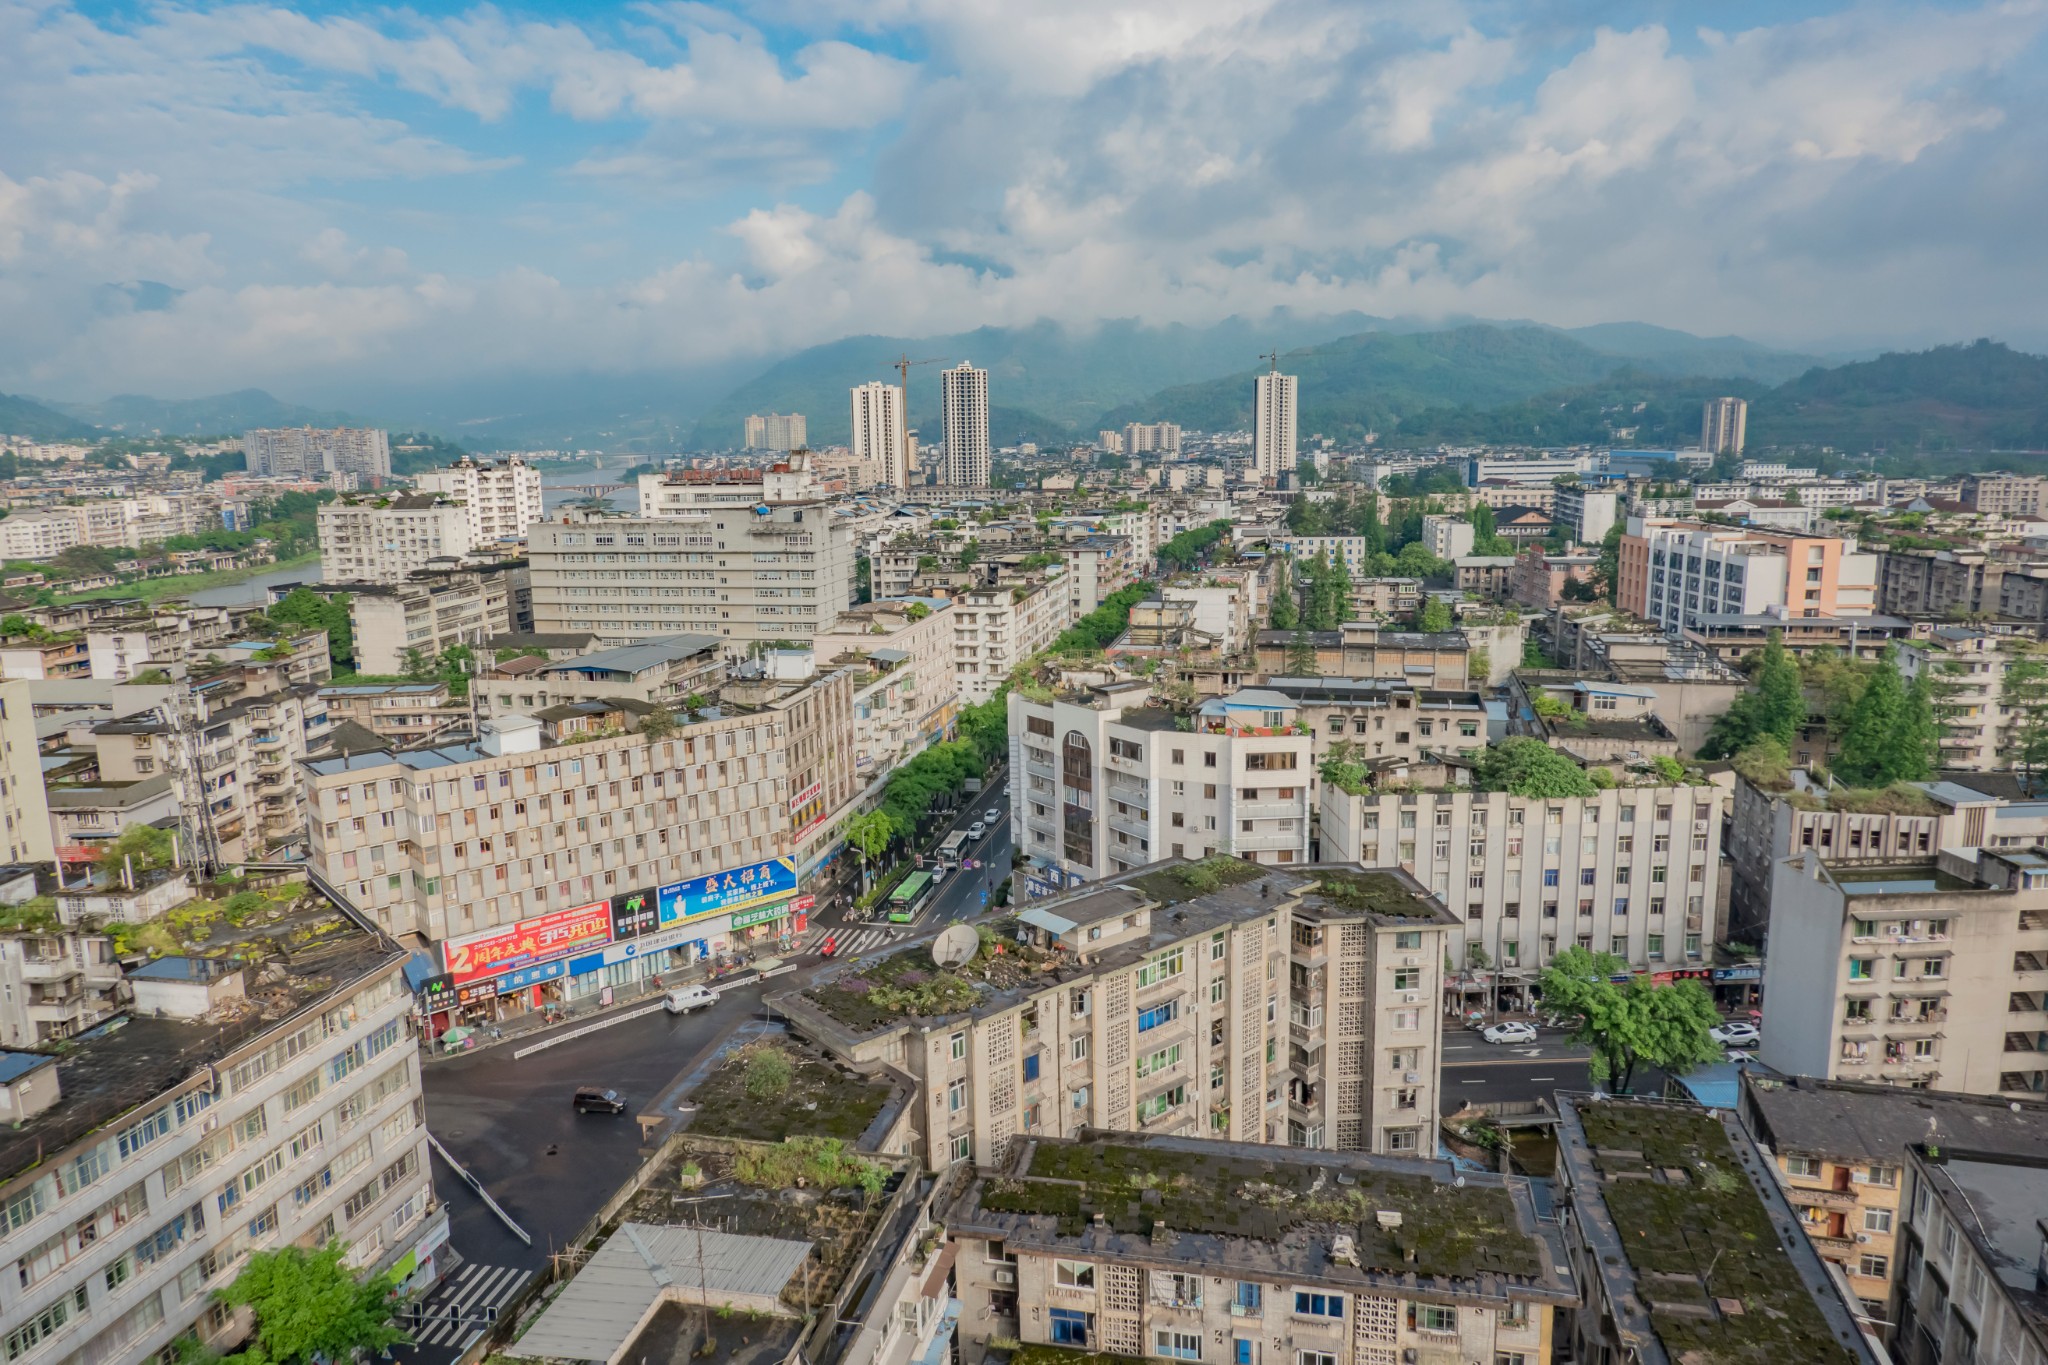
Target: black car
591	1099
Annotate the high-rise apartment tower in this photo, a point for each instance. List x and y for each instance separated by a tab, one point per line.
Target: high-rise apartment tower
966	403
878	432
1722	426
1273	430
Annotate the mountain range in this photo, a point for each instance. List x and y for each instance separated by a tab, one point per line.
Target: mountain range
1413	384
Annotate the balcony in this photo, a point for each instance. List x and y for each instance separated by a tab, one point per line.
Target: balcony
1260	840
1137	826
48	969
1815	1197
1897	1023
1834	1248
1266	810
1036	769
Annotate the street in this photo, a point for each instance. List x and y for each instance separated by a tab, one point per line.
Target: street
961	895
1476	1071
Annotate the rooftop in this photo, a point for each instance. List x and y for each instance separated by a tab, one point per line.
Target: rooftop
1277	1211
2001	1202
639	658
1700	1256
1852	1121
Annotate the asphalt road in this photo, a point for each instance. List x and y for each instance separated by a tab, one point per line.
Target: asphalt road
960	895
1476	1071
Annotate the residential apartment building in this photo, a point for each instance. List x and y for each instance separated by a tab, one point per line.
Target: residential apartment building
2006	495
965	403
466	850
1096	567
996	629
1724	426
1673	572
1633	871
1842	1151
1208	1274
314	453
685	492
1584	514
666	671
1278	1006
502	499
426	613
1109	782
396	713
777	431
1381	723
1971	1284
1931	973
1937	583
1144	438
912	695
1362	649
140	1176
1446	537
1669	1214
57	983
385	540
1965	671
743	574
879	426
1274	440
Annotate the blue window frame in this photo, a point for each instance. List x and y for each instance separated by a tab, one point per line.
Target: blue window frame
1031	1067
1158	1014
1550	876
1318	1305
1241	1353
1069	1327
1251	1296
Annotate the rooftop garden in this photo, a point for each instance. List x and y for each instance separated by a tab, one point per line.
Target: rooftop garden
1374	893
910	984
1442	1230
1172	885
1706	1257
768	1092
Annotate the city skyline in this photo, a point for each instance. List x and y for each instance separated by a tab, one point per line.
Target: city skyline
201	198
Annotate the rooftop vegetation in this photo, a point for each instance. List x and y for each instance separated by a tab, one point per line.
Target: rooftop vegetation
768	1092
1706	1258
1444	1230
910	984
1172	885
1375	893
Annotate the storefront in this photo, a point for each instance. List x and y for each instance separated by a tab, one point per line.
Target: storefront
1737	987
612	948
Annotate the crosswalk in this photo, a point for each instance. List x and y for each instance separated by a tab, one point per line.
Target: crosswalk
462	1305
866	940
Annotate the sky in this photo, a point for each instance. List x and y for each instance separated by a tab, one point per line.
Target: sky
201	197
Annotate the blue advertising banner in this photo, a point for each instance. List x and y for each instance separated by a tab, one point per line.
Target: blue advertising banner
734	889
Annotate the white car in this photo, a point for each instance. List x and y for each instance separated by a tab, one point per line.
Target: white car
976	830
684	999
1736	1034
992	815
1510	1032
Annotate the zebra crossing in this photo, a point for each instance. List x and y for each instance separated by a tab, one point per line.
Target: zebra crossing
865	940
462	1305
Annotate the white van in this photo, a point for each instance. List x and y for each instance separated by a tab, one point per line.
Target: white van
686	998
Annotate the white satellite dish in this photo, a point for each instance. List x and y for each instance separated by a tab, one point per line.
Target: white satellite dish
955	946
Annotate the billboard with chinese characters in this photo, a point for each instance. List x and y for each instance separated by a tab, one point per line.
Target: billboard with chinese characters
528	943
736	888
632	915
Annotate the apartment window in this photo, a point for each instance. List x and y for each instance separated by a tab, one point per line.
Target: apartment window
1249	1300
1314	1358
1876	1267
1069	1327
1432	1317
1877	1220
1177	1345
1074	1274
1407	1021
959	1046
1403	1139
1806	1166
1310	1305
963	1148
956	1097
1080	1048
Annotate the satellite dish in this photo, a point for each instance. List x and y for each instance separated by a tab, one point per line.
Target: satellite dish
955	946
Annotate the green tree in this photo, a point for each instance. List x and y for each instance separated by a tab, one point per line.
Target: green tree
310	1307
1434	618
1483	524
1888	738
1529	767
1607	573
145	846
1775	705
969	553
1918	738
1764	762
304	607
2023	693
415	664
1630	1022
1301	656
1415	561
658	724
867	834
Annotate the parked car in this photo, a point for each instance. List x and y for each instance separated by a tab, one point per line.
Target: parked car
591	1099
684	999
1735	1033
976	830
992	815
1512	1031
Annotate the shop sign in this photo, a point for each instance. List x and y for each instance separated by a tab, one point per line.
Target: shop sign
738	888
806	796
437	993
529	976
625	952
633	915
747	918
476	994
803	905
1750	973
556	934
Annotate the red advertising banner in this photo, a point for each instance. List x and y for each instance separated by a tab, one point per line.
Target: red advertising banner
540	939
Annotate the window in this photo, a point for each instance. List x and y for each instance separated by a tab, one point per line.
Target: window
1162	968
1311	1305
1031	1067
1402	1139
1803	1165
1177	1345
1159	1061
1074	1274
1408	941
1433	1317
1407	1021
1314	1358
1069	1327
1159	1014
1243	1351
1080	1048
1407	978
963	1148
1164	1102
959	1046
1877	1220
956	1097
1876	1267
1250	1299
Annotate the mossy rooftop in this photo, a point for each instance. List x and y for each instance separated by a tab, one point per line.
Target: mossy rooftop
1268	1211
1687	1244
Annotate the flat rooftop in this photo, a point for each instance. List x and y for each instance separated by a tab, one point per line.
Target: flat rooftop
126	1062
2001	1202
1851	1121
1243	1208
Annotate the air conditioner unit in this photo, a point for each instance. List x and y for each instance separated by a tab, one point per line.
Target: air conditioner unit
1006	1275
1862	1236
1409	998
1411	1078
1411	961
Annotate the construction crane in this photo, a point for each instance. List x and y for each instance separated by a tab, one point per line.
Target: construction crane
902	365
1272	359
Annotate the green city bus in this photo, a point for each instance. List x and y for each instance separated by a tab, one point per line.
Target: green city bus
907	901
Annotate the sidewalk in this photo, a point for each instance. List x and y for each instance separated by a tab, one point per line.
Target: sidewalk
531	1025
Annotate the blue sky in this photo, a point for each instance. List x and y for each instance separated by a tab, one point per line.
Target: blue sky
338	195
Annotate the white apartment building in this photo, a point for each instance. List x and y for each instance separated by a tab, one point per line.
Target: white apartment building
384	540
131	1201
39	536
1273	425
1724	424
1446	537
1585	514
996	629
777	431
912	694
58	983
1350	551
1633	871
1109	782
1676	572
1965	670
744	574
1929	973
680	492
1970	1284
1540	470
1140	438
315	453
879	425
502	499
429	613
965	398
1279	1006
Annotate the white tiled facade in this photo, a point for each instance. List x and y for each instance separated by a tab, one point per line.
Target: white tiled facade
361	542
